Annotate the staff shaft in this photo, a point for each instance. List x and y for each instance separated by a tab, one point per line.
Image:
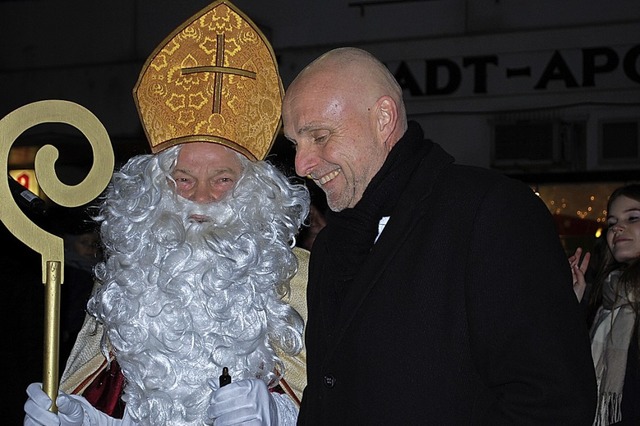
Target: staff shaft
51	332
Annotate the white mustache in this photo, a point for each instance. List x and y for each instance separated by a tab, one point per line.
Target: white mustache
218	213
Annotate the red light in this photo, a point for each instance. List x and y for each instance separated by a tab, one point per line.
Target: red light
23	179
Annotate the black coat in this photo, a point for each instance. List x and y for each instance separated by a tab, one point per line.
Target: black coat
464	314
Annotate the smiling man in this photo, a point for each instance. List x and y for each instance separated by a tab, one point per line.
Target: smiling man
438	293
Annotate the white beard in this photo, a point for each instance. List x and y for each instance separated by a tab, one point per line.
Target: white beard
194	297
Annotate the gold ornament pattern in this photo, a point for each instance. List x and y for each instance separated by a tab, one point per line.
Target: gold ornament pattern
214	79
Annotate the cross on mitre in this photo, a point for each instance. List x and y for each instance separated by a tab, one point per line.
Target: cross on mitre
218	70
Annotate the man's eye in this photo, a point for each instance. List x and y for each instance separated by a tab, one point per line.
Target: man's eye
320	139
183	181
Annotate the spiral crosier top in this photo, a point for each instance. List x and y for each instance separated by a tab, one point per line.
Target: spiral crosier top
213	79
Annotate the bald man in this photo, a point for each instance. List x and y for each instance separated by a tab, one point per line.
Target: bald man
438	293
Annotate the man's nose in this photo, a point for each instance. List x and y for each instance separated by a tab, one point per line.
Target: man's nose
305	160
203	194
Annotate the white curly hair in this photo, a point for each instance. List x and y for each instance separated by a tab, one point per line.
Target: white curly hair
181	299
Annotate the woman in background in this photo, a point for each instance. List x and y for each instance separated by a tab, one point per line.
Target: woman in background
615	297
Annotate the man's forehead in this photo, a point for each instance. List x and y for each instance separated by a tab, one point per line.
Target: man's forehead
211	156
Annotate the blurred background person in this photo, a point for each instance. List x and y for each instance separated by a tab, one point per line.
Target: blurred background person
615	299
82	251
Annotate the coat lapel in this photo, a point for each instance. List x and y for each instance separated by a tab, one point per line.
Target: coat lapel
411	208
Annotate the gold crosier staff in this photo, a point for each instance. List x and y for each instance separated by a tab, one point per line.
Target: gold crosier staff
48	245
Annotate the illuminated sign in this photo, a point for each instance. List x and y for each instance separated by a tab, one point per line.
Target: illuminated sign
27	178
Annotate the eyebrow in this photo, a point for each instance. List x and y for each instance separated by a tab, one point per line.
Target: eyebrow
217	171
632	209
310	127
302	130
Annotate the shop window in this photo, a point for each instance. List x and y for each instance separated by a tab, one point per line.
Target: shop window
619	142
538	145
525	142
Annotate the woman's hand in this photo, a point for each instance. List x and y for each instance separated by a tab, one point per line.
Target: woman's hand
578	269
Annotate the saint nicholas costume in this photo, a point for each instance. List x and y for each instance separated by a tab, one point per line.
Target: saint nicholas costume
213	79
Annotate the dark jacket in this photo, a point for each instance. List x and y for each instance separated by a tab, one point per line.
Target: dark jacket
462	313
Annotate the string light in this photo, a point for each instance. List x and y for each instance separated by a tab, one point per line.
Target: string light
580	209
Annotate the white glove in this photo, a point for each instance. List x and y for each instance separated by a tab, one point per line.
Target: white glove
249	402
36	408
73	410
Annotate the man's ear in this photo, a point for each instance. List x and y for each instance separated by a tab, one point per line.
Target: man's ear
387	117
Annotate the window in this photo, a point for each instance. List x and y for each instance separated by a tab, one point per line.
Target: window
540	145
526	142
619	142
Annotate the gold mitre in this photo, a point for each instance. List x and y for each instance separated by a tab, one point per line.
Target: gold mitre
214	79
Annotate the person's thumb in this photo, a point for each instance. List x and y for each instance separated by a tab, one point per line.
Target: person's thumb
70	411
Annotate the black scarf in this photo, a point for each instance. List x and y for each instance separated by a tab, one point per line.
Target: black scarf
351	233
